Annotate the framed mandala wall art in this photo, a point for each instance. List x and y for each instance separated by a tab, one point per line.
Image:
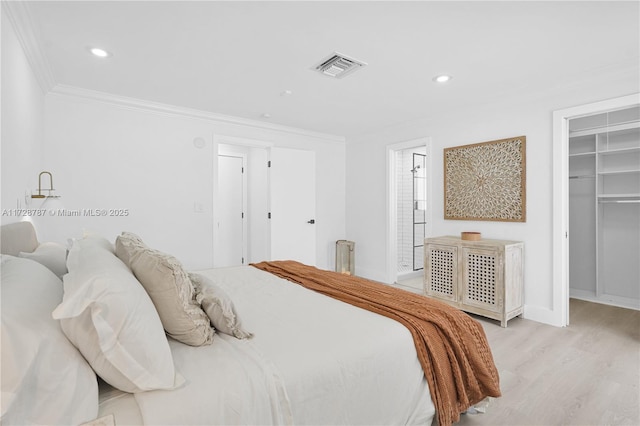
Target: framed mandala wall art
486	181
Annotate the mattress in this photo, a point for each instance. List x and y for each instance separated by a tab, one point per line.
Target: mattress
312	360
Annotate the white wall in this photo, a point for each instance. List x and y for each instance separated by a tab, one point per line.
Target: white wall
366	181
22	125
112	156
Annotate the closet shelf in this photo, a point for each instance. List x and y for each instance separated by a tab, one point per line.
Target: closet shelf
619	196
582	176
583	154
618	172
619	151
620	201
629	125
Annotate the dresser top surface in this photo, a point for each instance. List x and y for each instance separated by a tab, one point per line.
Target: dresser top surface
484	241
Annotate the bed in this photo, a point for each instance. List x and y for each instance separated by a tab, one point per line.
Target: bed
113	339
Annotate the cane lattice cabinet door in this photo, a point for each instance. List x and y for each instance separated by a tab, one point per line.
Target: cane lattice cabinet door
482	277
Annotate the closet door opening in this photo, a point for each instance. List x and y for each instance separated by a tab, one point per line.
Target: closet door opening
604	207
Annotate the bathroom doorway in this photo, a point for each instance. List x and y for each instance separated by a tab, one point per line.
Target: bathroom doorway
409	214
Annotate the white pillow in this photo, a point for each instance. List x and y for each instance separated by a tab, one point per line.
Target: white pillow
218	306
51	255
108	316
45	380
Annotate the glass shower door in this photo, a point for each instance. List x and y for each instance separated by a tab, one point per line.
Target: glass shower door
419	209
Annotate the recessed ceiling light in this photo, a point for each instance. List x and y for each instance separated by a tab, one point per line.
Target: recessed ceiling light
442	78
100	53
266	115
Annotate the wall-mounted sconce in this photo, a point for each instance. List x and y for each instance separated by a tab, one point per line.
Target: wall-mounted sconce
51	199
40	189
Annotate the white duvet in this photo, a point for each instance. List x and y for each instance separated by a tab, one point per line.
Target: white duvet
312	360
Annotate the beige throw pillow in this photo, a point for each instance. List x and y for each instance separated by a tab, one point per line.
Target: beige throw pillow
170	289
127	241
219	307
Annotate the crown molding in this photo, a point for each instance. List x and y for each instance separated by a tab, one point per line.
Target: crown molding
20	18
161	108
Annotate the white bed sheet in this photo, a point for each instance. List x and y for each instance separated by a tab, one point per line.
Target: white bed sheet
314	358
121	404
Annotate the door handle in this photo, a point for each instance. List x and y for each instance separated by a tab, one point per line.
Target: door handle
312	221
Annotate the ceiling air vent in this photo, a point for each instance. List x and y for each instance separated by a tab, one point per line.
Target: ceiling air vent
338	65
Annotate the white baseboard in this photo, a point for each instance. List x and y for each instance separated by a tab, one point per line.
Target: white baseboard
606	299
543	315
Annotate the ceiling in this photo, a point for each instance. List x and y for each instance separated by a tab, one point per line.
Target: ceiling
239	58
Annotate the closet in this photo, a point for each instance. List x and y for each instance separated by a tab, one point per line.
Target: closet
604	207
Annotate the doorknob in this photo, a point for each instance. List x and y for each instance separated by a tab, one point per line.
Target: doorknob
312	221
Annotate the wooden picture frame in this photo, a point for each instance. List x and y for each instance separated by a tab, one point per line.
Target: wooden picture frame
486	181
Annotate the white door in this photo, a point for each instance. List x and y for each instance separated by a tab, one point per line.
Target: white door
292	183
231	236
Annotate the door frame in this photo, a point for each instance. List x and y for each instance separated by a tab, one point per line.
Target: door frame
559	314
392	200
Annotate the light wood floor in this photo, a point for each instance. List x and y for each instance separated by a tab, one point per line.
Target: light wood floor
584	374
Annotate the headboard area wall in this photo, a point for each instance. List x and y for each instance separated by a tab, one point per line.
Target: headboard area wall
18	237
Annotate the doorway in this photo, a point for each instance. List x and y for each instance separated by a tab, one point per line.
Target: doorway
231	245
559	315
271	196
409	213
231	224
227	193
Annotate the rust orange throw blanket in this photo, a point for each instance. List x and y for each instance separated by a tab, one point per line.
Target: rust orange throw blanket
452	346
